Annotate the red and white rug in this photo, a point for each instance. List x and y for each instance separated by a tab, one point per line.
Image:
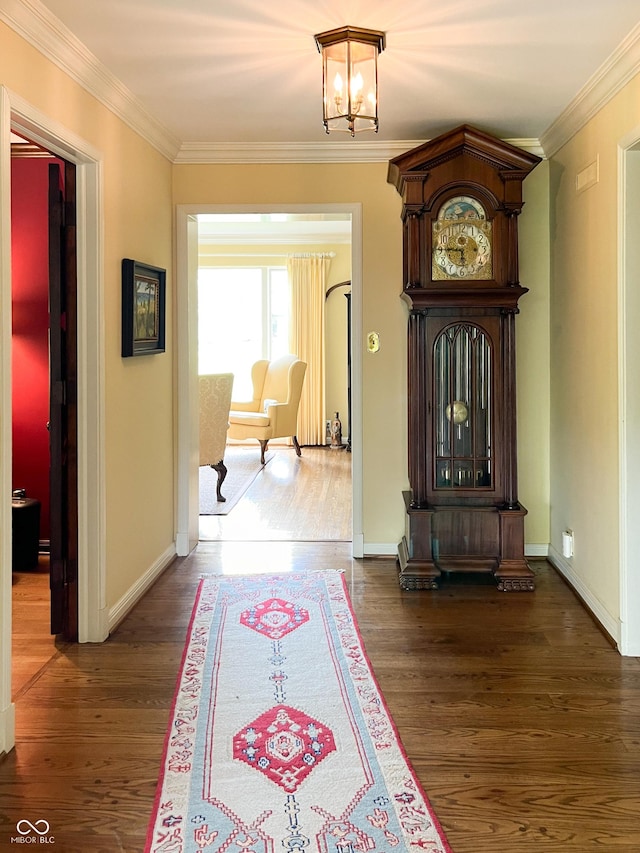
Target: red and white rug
279	738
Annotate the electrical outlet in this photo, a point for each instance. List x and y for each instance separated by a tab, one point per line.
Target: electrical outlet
567	543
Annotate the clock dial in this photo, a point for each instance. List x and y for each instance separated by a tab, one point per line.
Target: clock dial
462	241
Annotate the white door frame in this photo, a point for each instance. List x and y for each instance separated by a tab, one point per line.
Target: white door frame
17	114
629	389
187	332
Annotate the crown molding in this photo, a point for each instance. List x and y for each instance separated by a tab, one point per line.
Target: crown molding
37	25
290	152
531	145
356	151
608	80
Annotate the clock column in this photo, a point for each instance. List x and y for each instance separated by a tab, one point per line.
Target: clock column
416	548
513	574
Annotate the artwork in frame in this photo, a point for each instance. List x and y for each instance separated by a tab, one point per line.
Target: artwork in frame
143	308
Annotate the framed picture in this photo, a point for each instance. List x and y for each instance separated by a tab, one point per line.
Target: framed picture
143	306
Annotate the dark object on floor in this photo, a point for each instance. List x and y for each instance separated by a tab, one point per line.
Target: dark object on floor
25	514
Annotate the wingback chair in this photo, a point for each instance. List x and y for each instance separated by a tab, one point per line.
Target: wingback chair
273	411
215	401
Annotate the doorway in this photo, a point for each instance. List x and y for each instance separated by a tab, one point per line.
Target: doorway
30	123
44	479
188	263
245	315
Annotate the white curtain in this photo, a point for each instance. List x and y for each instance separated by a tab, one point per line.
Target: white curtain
307	278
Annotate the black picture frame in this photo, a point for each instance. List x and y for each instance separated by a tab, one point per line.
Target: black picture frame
143	308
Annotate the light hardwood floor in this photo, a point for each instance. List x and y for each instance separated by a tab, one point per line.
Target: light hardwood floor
293	498
520	719
33	645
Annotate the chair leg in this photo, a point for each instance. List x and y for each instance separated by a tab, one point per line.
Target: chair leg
296	445
221	469
263	450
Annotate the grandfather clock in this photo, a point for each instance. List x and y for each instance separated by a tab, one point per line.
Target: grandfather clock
462	193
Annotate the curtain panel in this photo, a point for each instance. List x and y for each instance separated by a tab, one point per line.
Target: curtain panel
308	278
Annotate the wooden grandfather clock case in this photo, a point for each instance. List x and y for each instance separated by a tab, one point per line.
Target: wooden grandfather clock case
461	194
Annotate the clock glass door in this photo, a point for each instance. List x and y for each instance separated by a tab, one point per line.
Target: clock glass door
462	408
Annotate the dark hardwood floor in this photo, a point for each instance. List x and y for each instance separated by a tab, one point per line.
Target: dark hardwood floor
520	719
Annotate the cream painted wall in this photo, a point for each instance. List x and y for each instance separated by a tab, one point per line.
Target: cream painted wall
584	349
139	434
384	373
532	346
335	306
139	391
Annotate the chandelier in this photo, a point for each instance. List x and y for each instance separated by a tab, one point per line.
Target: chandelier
350	78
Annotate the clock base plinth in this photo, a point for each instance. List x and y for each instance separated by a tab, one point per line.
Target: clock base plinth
516	585
515	576
416	573
513	573
464	539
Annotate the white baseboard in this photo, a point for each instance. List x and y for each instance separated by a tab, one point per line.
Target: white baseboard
380	549
135	593
182	545
7	728
632	650
536	549
390	549
98	628
610	624
358	546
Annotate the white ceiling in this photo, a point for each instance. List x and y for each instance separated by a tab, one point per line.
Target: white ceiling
225	71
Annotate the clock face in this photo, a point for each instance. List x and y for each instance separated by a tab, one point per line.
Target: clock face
462	241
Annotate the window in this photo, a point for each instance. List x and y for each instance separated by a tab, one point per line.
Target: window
243	316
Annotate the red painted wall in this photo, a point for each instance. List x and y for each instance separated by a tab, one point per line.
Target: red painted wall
30	348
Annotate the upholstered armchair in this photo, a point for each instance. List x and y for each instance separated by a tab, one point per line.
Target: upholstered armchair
273	411
215	401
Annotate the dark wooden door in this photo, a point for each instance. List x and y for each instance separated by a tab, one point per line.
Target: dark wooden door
63	477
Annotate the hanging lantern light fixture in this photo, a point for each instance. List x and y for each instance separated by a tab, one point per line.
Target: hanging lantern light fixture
350	78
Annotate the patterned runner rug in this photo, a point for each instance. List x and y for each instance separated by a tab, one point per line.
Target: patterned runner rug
279	738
